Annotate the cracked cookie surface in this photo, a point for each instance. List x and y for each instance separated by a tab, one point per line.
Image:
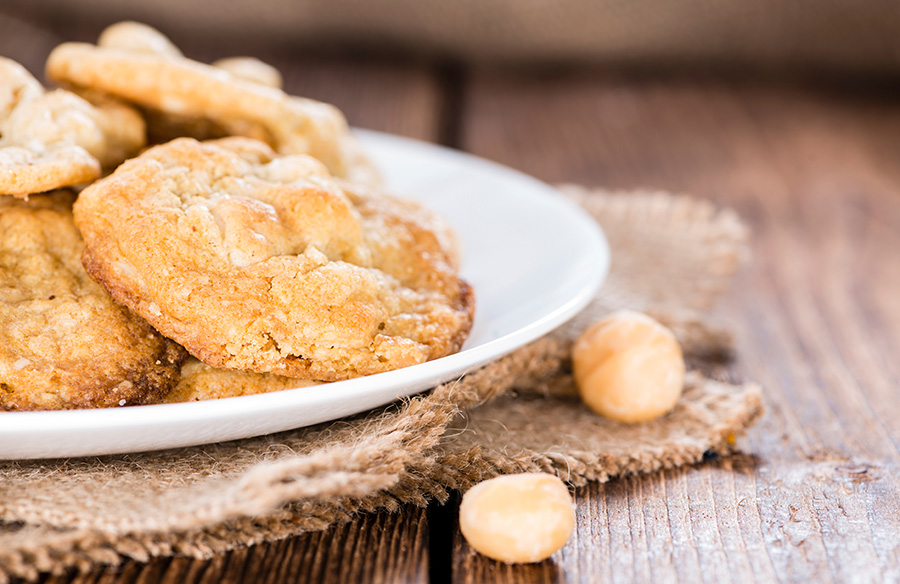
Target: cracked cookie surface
64	342
138	64
201	382
53	139
264	263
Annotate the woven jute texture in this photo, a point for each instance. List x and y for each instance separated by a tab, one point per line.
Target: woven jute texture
672	257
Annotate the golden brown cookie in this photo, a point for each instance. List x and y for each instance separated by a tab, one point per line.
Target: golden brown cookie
264	263
201	382
251	69
64	343
55	139
136	63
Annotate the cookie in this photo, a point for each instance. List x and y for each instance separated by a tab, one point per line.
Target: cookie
264	263
64	342
136	63
201	382
163	127
56	139
251	69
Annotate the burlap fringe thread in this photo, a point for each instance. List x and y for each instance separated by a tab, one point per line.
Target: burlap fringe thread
673	256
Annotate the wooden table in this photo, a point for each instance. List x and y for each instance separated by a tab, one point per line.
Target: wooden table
814	168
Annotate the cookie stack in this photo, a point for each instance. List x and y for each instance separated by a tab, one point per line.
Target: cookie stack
248	249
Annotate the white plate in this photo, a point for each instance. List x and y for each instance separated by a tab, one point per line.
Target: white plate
533	258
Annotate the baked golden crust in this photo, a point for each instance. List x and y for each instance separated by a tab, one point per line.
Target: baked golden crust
55	139
136	63
201	382
251	69
264	263
64	343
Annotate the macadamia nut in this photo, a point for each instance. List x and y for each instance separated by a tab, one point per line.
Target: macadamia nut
628	367
518	518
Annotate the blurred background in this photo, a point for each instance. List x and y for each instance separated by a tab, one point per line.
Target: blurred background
834	35
545	86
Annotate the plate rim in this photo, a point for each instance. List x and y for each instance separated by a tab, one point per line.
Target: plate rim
21	425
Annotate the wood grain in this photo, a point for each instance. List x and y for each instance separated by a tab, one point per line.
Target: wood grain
817	316
375	548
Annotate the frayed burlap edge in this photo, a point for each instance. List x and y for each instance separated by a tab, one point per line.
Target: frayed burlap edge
206	500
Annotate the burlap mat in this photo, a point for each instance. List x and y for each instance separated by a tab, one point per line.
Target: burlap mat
672	256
